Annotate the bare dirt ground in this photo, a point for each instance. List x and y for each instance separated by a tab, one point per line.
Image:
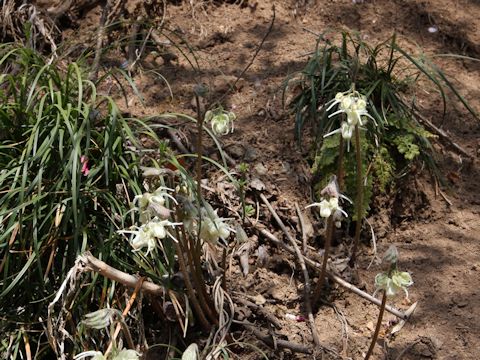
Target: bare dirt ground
439	243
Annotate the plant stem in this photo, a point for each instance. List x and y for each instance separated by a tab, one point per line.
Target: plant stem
359	200
188	247
190	290
193	248
224	268
127	334
199	148
340	175
193	258
323	271
377	328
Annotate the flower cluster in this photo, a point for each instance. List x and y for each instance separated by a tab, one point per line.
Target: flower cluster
212	229
393	281
148	234
156	226
221	121
154	219
354	105
329	205
152	205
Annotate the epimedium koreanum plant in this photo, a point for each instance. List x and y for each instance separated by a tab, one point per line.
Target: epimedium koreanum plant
354	106
155	225
393	281
390	283
154	221
385	76
173	227
331	211
176	225
168	240
329	204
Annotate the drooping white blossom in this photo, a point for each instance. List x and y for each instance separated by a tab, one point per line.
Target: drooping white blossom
148	234
394	282
328	207
153	204
221	121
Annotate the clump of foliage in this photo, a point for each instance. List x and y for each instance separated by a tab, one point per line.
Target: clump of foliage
394	140
69	167
73	187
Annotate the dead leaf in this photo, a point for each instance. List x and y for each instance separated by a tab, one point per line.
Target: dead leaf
257	184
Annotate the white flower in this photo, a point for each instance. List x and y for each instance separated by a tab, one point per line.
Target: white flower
221	121
347	130
157	228
95	355
354	106
143	238
328	207
153	204
213	227
392	284
148	234
346	103
337	100
127	355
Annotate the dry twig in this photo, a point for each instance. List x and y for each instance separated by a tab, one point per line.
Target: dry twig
443	135
302	225
262	311
100	35
91	263
282	344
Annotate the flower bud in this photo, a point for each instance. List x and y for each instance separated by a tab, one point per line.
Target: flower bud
127	354
101	318
361	104
191	352
347	131
391	255
346	103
